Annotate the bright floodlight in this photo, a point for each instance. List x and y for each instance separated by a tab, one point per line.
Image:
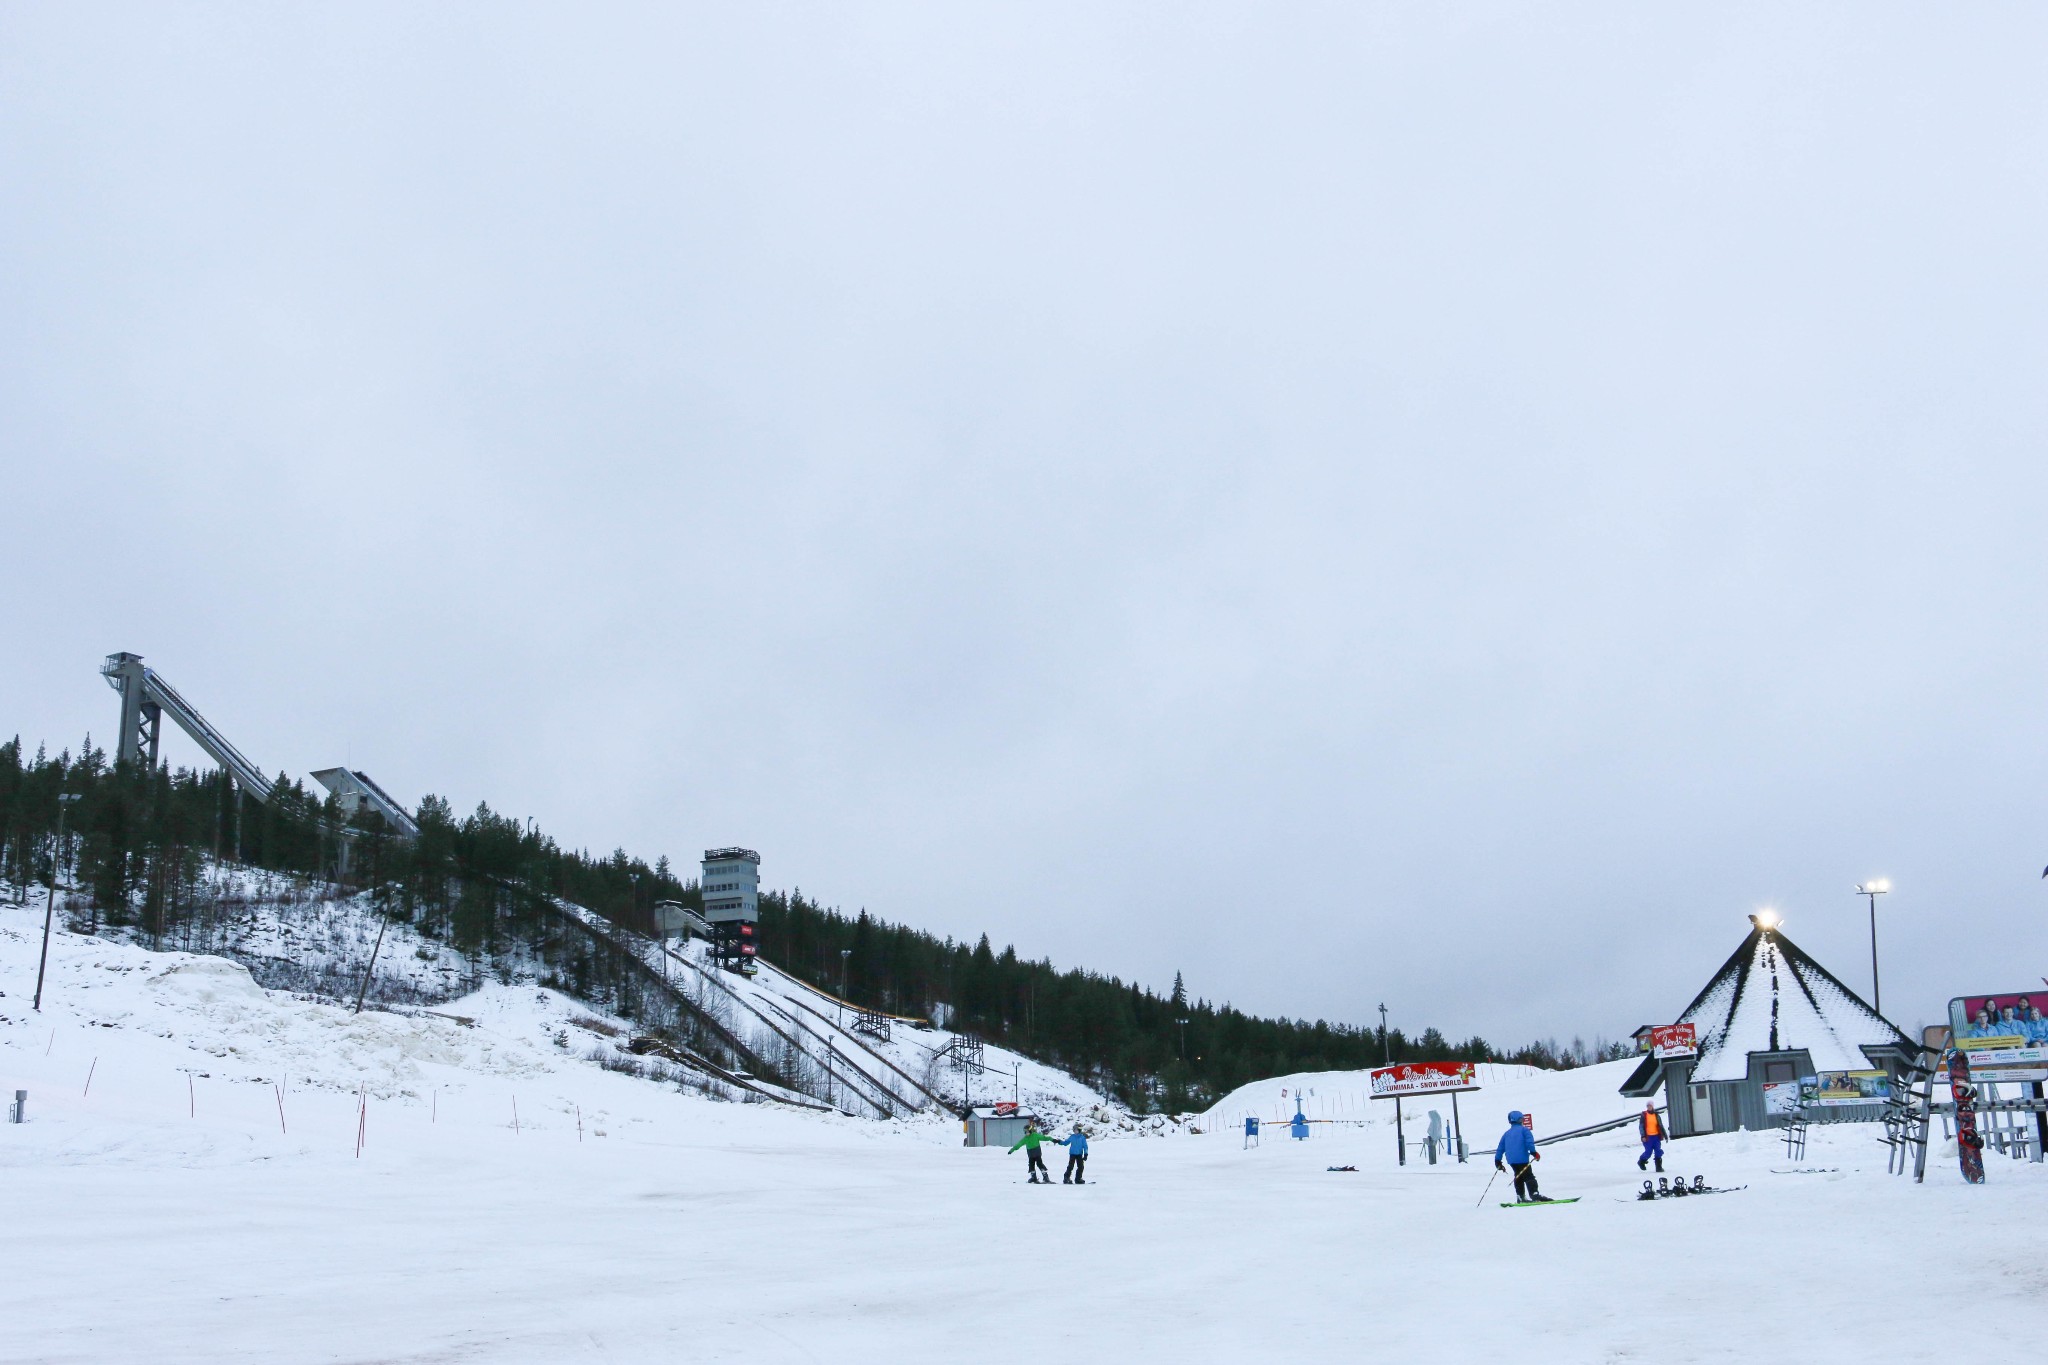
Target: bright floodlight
1876	886
1766	919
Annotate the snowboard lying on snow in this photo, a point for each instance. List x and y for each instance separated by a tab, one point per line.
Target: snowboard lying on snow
1538	1203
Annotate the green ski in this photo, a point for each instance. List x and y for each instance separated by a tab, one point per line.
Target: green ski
1539	1203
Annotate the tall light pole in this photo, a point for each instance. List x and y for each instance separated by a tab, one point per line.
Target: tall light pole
1873	889
1386	1047
1183	1040
64	800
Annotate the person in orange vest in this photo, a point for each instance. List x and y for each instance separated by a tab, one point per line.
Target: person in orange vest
1650	1128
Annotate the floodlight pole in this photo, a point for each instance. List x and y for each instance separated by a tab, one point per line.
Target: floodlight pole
1183	1040
1873	890
64	800
1386	1047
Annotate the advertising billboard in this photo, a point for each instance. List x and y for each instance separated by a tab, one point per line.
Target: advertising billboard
1828	1090
2001	1030
1423	1078
1674	1040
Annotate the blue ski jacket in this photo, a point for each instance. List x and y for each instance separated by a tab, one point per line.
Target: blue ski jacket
1076	1144
1517	1145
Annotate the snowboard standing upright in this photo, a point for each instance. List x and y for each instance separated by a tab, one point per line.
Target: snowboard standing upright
1969	1144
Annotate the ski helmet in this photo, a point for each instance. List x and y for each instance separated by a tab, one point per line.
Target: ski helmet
1514	1116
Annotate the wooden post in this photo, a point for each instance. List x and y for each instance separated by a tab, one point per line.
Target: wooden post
364	989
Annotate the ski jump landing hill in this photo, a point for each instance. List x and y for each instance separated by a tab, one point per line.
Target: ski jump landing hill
774	1020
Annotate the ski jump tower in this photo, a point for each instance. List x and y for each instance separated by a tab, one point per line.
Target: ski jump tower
145	698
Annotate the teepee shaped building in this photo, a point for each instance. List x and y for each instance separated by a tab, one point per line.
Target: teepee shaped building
1770	1014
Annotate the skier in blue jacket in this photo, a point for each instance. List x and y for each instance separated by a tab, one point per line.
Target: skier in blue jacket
1077	1157
1517	1147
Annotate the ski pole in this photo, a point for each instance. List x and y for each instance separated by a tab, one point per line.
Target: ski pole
1489	1186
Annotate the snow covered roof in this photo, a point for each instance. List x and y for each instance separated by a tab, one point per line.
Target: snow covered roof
1770	997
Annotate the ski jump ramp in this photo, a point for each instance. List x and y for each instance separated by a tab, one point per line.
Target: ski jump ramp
145	698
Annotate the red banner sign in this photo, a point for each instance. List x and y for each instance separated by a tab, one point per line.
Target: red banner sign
1423	1078
1674	1040
1005	1108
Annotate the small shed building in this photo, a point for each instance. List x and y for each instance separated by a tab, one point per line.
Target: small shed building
1770	1015
996	1125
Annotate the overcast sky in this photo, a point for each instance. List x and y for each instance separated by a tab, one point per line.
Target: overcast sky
1445	505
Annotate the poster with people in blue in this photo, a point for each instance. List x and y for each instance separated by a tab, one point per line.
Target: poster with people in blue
2000	1030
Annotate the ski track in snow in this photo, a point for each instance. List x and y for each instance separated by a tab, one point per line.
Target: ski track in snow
676	1228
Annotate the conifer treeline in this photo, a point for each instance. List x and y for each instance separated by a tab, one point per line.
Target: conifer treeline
136	840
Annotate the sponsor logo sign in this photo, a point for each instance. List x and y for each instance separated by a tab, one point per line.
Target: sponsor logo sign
1674	1040
1423	1078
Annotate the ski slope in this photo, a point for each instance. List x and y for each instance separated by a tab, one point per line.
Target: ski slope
516	1201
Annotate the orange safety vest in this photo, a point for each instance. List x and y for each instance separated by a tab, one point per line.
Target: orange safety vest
1650	1125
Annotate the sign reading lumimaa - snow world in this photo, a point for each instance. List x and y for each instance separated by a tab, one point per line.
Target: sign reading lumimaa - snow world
1424	1078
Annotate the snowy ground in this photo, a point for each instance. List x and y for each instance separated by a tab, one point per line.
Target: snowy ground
676	1228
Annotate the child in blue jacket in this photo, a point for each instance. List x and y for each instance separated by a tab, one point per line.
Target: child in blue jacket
1517	1147
1077	1157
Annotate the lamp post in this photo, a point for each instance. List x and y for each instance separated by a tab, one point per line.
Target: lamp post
1183	1040
1873	889
1386	1047
64	800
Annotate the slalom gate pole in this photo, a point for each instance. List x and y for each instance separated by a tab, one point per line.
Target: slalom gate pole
1489	1186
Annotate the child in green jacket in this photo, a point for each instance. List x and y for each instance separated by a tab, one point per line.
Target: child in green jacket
1034	1164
